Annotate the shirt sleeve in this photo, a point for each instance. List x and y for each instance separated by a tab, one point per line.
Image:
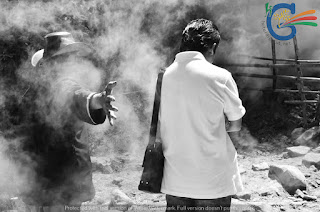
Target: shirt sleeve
233	107
79	99
81	107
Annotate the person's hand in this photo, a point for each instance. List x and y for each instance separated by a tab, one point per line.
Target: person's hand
103	100
108	98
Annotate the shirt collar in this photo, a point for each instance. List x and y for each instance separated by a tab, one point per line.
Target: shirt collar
189	55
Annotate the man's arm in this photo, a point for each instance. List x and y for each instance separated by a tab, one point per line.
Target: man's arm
88	106
233	108
234	126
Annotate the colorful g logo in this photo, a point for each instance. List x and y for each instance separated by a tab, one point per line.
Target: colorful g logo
292	8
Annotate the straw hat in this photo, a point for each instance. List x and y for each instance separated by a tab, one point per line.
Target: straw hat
58	43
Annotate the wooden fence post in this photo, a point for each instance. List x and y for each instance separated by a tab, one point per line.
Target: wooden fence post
274	61
300	83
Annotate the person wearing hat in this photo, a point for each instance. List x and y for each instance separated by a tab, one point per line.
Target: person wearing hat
55	154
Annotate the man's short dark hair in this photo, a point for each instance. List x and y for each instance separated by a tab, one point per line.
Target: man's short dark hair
199	35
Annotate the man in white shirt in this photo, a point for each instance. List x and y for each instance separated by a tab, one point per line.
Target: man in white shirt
200	170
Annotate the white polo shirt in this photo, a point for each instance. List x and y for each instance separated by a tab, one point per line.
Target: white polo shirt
200	158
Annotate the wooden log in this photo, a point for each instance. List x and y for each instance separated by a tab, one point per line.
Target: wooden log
265	65
283	60
301	102
295	91
278	90
310	79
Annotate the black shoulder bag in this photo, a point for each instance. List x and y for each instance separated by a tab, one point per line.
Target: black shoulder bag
153	161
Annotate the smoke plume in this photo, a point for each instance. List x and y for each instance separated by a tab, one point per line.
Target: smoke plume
132	40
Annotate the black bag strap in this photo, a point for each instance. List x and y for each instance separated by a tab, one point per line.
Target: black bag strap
156	107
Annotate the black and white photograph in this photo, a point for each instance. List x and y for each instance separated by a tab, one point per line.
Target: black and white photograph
165	106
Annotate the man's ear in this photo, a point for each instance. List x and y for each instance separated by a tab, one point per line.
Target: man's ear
214	48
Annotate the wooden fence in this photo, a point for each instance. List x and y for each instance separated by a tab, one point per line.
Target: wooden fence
299	78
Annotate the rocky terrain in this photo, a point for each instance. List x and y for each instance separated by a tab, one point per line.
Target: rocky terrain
279	176
275	179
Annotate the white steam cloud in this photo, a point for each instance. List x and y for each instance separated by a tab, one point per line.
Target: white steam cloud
133	40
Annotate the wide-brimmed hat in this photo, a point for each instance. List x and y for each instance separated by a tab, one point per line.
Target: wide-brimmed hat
58	43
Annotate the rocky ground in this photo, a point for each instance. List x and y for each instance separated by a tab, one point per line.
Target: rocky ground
282	175
262	193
